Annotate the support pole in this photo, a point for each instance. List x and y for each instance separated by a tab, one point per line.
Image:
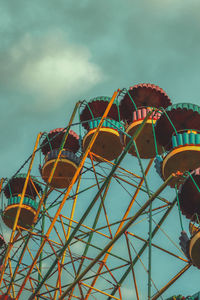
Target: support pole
133	272
1	184
10	267
68	233
150	223
42	233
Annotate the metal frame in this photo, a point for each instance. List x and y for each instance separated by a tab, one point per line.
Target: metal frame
65	231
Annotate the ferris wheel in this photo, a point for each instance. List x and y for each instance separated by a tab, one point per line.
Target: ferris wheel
97	210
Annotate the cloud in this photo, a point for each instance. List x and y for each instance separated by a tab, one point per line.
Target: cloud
50	69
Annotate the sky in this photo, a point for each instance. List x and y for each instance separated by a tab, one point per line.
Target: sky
54	53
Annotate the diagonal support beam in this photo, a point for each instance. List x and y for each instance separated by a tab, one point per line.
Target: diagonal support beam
144	247
121	232
171	281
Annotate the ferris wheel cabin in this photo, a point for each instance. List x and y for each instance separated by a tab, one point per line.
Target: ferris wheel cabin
68	161
108	144
136	104
13	191
178	131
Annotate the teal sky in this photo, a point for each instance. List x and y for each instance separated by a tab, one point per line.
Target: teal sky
53	53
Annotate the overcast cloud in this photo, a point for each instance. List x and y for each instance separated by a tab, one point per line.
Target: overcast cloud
51	68
53	53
